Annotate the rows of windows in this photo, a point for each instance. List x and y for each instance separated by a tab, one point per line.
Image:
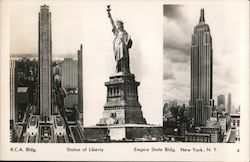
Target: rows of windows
238	122
117	91
198	138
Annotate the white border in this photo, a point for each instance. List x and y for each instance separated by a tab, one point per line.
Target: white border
123	151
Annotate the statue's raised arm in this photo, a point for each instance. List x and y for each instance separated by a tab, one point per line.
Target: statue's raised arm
110	17
121	44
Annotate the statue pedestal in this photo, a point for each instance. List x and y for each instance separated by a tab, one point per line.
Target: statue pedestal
122	105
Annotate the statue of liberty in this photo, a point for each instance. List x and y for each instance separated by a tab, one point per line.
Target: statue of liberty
121	44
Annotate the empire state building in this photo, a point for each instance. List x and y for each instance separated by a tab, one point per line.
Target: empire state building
201	102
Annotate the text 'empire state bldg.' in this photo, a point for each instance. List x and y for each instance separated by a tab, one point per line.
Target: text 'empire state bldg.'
201	102
45	62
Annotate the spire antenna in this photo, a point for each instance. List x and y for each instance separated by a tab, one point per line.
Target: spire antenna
202	19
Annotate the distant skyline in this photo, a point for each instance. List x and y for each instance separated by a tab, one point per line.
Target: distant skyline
87	23
179	22
35	56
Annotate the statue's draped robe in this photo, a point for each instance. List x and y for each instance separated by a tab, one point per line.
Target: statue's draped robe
121	44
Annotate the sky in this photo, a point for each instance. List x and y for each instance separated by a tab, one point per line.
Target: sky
227	24
86	22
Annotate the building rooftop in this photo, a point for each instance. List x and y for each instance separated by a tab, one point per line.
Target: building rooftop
59	121
33	121
235	115
125	125
197	134
210	127
22	89
44	7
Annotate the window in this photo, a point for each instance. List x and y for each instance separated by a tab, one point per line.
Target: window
113	115
233	122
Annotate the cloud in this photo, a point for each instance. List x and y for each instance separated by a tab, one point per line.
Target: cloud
175	55
172	12
179	22
230	75
176	38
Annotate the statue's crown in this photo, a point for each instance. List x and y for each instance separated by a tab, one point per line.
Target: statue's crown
119	21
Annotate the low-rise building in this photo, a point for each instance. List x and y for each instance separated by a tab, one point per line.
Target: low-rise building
235	126
197	137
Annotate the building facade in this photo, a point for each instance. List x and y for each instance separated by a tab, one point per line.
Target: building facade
221	100
235	127
201	102
205	134
122	105
80	83
229	103
198	137
45	62
69	73
13	113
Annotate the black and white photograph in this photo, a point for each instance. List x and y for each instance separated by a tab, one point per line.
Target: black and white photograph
202	50
46	100
128	80
85	79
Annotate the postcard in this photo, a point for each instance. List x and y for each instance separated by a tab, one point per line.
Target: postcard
124	80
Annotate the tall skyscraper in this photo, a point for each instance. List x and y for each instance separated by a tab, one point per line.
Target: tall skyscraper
45	62
69	73
80	84
13	112
229	103
221	100
201	102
